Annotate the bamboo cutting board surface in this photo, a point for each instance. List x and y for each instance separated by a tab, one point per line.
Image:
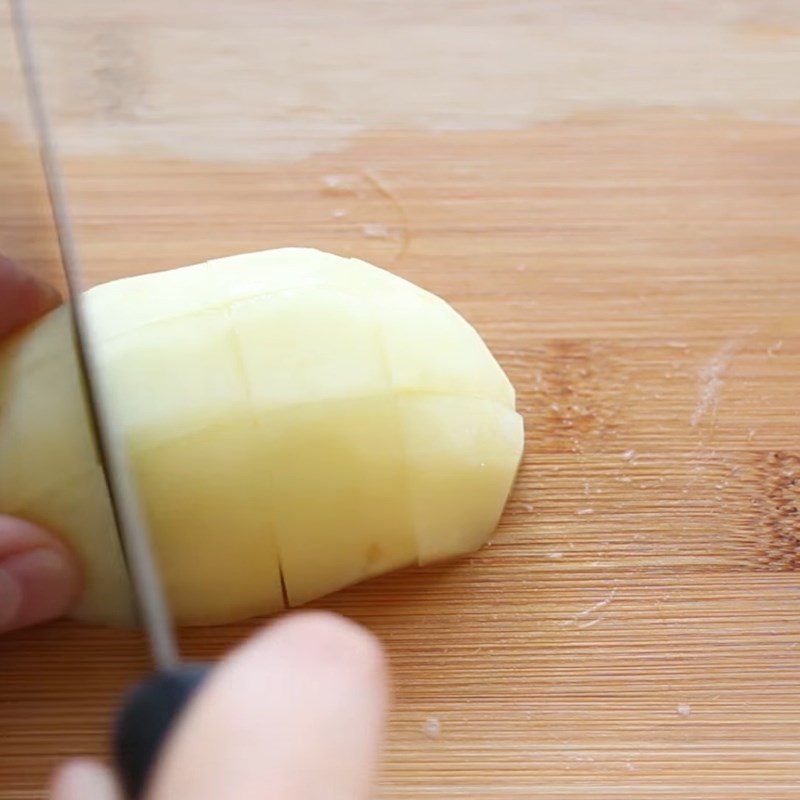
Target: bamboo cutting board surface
612	196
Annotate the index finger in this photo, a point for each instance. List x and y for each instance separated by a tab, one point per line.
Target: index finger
23	297
296	713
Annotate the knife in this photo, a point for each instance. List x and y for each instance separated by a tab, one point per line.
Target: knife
150	709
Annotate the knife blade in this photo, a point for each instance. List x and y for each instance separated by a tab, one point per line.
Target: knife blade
151	708
131	525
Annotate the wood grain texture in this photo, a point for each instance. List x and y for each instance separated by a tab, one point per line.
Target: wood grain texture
634	628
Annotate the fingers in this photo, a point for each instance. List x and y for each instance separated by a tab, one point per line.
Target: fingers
39	578
295	714
23	297
84	780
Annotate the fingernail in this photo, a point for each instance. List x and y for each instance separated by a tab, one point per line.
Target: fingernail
35	586
83	780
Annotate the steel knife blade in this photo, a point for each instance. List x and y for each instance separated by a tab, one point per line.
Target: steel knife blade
151	708
130	520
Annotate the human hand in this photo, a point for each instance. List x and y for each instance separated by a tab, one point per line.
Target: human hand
39	577
296	713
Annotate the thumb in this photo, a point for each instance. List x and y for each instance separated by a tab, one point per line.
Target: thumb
39	579
295	714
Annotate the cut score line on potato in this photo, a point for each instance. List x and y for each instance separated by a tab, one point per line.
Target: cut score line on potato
297	422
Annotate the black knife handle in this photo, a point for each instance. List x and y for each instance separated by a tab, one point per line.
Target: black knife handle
148	713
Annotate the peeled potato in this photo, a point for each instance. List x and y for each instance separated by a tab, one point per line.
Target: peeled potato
296	422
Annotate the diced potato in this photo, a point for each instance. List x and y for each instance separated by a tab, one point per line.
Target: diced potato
337	477
124	306
459	363
299	347
296	422
210	508
45	436
462	455
176	376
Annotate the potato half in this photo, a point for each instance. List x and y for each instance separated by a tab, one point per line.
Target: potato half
297	422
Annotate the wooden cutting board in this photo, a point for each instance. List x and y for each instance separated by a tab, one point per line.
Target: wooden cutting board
611	194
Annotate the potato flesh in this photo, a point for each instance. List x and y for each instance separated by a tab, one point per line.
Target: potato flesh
49	471
460	467
297	422
337	469
207	506
322	343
